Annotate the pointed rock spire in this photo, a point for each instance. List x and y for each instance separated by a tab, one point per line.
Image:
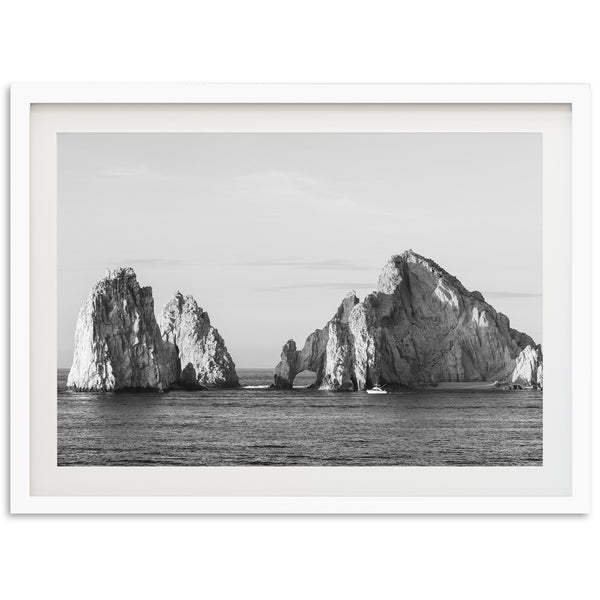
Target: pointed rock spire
118	345
203	356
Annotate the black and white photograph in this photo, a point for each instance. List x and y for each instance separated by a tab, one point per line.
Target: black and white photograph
300	299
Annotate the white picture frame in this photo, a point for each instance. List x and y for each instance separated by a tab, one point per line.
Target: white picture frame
26	425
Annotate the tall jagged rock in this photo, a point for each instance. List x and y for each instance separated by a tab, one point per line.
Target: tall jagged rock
203	356
327	351
420	327
118	345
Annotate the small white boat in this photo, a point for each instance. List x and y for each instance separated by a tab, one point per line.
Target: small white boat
376	390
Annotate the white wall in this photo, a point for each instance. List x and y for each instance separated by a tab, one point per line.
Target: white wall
303	41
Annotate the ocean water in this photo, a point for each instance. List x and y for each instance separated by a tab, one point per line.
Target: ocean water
254	425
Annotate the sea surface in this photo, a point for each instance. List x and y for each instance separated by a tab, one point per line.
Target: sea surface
255	425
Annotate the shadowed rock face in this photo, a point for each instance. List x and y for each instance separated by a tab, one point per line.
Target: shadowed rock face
420	327
204	359
118	345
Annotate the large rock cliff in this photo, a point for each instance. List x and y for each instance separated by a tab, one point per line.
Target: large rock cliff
204	359
420	327
118	345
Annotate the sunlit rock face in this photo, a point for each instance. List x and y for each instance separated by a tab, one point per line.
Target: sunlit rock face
529	366
118	345
327	351
420	327
203	356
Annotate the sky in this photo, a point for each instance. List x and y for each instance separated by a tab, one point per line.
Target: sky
268	231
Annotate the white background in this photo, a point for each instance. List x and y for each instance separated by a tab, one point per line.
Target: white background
304	557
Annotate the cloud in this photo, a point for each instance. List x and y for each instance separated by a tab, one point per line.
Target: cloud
163	262
334	264
512	294
139	173
166	263
148	263
310	193
347	286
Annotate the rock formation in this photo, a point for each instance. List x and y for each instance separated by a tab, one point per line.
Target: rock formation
203	356
420	327
118	345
